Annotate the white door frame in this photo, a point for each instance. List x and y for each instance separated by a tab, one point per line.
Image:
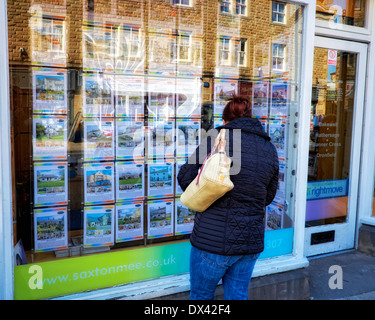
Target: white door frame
6	234
345	232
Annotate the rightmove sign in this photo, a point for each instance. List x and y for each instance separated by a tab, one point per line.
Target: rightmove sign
327	189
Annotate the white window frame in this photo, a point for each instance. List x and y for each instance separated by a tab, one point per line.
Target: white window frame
223	48
176	50
241	5
279	57
229	5
278	13
237	53
132	35
6	217
178	3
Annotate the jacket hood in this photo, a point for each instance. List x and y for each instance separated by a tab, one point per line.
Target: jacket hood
247	124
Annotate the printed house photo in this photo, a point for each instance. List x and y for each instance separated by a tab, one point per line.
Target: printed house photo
99	136
130	179
129	219
129	136
99	181
184	215
98	224
49	87
51	181
160	176
50	227
50	133
188	135
160	216
98	92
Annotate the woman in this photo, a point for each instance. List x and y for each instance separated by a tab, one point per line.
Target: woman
229	236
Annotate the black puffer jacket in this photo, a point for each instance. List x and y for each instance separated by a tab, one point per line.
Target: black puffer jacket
234	224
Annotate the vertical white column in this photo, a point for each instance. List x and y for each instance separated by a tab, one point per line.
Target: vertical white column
6	234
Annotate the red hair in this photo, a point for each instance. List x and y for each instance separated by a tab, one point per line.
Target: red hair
237	107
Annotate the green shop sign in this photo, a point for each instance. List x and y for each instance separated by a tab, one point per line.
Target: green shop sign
65	276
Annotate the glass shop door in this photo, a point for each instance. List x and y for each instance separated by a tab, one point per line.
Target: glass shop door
339	74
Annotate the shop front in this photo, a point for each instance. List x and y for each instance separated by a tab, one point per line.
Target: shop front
108	99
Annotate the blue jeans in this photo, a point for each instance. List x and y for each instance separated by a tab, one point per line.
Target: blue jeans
206	270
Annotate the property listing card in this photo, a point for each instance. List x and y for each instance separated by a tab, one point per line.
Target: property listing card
98	226
98	48
280	99
50	87
129	221
161	138
50	229
97	95
184	220
159	218
161	100
129	139
160	178
188	98
49	137
223	90
260	99
278	132
129	181
274	216
129	96
188	136
50	183
99	183
99	139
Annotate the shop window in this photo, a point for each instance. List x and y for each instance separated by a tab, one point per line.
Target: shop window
108	101
278	12
278	57
347	12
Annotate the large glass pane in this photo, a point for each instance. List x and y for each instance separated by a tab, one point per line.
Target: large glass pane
109	98
349	12
330	136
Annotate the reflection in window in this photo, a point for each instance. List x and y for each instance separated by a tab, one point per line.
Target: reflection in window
278	57
182	2
225	6
224	51
240	52
349	12
181	48
241	7
278	12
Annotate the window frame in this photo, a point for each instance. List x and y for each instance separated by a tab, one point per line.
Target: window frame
278	13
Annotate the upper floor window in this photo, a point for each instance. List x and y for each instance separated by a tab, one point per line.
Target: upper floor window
225	6
278	57
182	2
278	12
181	49
240	52
241	7
224	51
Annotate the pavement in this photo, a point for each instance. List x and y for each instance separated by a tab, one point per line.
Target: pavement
358	276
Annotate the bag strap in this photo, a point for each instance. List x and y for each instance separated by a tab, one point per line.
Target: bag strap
219	142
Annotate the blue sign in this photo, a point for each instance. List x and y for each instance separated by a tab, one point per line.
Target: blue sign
327	189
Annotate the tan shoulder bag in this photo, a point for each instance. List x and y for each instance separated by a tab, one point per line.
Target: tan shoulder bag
213	179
